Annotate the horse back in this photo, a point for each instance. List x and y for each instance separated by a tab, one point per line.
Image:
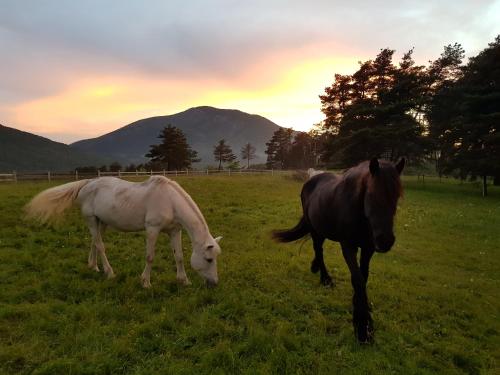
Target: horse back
331	207
125	205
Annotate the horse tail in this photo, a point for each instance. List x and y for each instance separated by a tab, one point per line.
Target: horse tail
293	234
51	203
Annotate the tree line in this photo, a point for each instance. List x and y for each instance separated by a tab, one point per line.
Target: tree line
174	153
445	113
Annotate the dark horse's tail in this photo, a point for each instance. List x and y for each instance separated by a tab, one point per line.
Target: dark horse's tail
297	232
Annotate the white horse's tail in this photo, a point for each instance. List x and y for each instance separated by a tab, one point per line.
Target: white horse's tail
51	203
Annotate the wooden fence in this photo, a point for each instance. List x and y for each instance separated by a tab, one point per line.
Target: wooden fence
50	175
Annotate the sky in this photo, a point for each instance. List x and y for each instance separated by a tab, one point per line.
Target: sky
71	70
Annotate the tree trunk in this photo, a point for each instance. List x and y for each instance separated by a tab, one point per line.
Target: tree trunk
248	163
485	187
220	164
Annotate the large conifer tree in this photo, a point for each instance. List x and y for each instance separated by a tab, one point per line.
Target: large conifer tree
174	152
465	118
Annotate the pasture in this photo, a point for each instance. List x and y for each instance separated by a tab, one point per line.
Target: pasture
435	295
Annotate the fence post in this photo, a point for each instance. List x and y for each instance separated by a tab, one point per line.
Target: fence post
272	172
136	173
48	176
164	172
207	171
76	174
187	171
229	171
98	173
119	173
15	176
176	172
151	172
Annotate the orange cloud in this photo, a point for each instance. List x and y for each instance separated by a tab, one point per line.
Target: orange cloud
283	88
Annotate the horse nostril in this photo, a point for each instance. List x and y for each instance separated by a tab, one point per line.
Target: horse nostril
209	260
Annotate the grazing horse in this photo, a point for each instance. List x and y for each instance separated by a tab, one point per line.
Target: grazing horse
155	205
356	209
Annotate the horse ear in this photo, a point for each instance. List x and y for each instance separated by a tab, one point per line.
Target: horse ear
218	239
374	166
400	165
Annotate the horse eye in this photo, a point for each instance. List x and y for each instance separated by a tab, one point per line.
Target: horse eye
209	260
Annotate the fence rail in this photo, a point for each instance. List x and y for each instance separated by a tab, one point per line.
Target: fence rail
50	175
8	177
75	175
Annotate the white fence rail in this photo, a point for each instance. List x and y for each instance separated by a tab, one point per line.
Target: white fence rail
49	175
8	177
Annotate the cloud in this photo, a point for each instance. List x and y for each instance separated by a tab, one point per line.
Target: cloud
53	48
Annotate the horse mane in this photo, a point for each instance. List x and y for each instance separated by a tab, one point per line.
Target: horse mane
359	178
161	180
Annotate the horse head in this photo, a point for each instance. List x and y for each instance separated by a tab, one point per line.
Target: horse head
383	189
204	260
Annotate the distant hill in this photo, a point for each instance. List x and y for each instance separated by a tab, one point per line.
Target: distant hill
203	127
22	151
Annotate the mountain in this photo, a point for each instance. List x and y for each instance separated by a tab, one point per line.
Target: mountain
203	127
22	151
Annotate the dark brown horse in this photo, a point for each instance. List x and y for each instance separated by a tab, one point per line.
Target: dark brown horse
356	209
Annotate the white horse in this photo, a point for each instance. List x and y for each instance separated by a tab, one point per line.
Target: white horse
313	172
155	205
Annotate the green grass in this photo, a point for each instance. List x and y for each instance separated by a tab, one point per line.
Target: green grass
435	296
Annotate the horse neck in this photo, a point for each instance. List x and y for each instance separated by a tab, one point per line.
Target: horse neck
189	216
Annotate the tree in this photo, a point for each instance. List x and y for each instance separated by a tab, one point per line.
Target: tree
375	112
304	152
465	117
278	148
173	152
248	153
223	153
115	167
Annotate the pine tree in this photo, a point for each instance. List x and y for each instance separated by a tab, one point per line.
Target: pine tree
248	153
223	153
174	152
375	112
465	118
278	148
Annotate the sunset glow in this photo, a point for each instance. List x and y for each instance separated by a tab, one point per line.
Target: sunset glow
68	74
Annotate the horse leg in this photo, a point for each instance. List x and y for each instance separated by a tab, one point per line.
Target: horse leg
92	262
96	228
176	243
364	262
151	237
361	318
318	263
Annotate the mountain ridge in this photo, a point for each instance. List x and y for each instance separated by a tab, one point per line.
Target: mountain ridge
28	152
203	127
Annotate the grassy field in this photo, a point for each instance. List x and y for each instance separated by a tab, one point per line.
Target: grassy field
435	296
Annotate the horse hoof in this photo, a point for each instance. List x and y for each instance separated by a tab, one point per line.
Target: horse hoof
364	334
110	275
95	268
328	282
184	282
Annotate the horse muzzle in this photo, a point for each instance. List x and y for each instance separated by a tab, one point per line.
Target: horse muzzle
384	242
210	283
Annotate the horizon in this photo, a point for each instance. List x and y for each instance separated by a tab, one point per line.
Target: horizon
78	76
